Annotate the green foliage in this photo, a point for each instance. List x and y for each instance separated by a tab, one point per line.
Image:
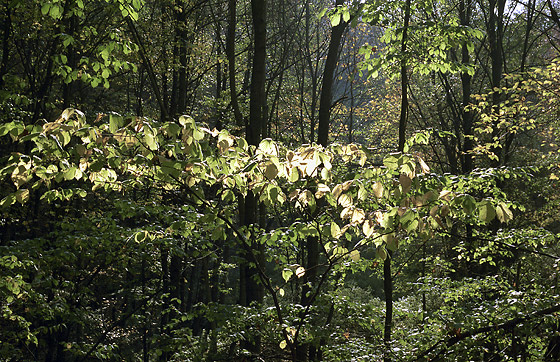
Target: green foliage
430	39
366	209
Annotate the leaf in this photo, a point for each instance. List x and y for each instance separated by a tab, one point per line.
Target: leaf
337	191
287	274
355	255
362	193
378	189
346	185
425	168
346	15
20	176
445	195
335	19
321	190
486	211
406	183
293	175
8	200
70	173
150	142
391	241
368	228
346	213
218	233
114	123
345	200
45	8
381	253
504	213
358	216
268	147
283	344
335	230
105	54
198	134
140	236
306	198
469	204
300	271
22	195
311	168
186	120
271	171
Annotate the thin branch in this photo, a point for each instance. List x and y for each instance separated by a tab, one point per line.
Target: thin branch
496	327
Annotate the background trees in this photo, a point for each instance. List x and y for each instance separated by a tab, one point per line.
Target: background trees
147	214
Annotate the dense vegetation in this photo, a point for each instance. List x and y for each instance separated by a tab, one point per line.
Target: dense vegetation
212	180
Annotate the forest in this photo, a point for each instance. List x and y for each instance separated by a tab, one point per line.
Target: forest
279	180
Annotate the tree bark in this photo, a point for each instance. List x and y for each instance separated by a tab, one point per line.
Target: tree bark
230	50
325	101
251	290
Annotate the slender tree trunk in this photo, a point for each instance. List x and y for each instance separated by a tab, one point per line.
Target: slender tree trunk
465	14
403	120
165	291
258	76
495	35
5	44
147	65
181	25
230	51
387	276
250	288
325	101
219	76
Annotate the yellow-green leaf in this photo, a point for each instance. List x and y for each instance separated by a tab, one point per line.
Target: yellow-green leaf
271	171
504	213
378	189
337	191
335	230
345	200
22	195
358	216
287	274
368	228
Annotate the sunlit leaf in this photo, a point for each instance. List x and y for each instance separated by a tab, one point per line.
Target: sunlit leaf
300	271
378	189
287	274
504	213
335	230
368	228
345	200
486	211
358	216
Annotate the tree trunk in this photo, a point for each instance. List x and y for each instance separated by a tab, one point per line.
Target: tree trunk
230	52
250	288
325	101
5	46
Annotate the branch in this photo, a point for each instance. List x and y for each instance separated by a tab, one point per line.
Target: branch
502	326
149	67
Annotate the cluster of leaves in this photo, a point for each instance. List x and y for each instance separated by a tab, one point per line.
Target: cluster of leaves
339	195
526	102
